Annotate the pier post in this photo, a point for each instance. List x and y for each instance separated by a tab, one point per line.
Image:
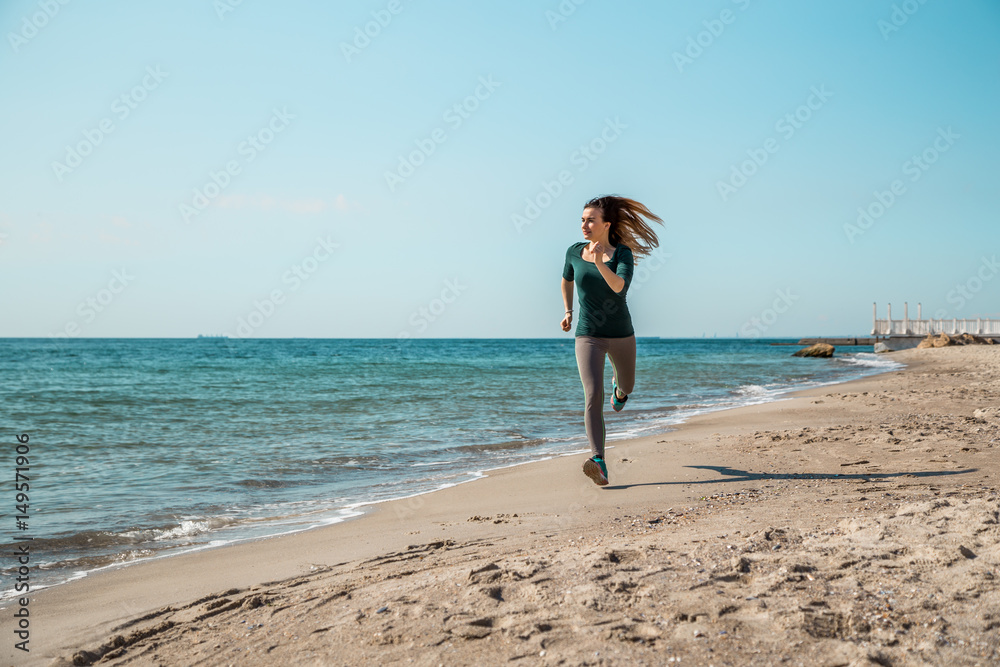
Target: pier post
889	313
906	317
875	330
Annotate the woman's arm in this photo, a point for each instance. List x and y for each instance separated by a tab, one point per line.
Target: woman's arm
614	281
567	295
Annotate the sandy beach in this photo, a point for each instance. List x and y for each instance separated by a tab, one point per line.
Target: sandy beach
852	524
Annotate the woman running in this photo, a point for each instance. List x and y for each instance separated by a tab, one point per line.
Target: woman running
615	236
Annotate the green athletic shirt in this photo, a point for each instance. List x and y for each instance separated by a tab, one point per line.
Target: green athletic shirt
603	312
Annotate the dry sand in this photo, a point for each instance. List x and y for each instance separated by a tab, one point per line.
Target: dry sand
851	525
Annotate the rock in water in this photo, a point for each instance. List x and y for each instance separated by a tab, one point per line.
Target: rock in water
817	350
882	347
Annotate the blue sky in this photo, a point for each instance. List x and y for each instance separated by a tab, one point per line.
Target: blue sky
268	169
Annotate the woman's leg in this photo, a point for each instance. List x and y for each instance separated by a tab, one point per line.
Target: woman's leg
590	353
621	351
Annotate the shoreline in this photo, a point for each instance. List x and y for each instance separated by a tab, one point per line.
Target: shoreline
362	508
539	501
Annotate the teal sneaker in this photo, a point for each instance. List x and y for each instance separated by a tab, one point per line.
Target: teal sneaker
616	403
595	469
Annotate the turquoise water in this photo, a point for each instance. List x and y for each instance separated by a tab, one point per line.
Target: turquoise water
149	447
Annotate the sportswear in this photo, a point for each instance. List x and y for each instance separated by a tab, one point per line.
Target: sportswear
591	354
603	312
595	469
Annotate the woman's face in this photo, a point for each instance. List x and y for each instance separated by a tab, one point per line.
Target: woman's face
593	225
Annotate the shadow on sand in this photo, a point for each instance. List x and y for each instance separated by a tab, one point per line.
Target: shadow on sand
735	475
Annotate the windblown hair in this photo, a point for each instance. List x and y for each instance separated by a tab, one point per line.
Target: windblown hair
627	224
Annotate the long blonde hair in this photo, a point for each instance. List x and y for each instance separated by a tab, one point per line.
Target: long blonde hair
627	224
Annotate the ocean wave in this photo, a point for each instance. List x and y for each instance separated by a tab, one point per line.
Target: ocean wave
185	529
505	446
870	360
753	390
105	539
265	483
754	394
97	561
366	462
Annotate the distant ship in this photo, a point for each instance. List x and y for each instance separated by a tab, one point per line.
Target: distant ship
213	336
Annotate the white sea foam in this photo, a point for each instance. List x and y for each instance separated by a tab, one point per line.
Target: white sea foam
870	360
186	528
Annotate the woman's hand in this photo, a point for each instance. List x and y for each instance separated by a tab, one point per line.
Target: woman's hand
598	252
567	321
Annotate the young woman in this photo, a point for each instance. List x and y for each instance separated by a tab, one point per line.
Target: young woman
615	236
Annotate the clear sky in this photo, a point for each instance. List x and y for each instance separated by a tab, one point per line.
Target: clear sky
189	167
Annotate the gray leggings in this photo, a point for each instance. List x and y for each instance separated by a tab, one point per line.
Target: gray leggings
590	353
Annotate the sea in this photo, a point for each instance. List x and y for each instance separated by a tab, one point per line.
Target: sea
145	448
